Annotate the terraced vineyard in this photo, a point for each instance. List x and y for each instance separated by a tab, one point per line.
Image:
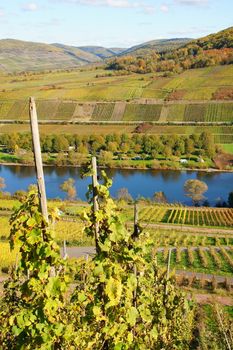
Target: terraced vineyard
133	112
214	112
103	111
188	216
146	112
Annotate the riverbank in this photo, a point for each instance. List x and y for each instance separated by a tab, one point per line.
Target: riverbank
115	167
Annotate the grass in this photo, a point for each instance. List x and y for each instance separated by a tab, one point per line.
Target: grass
228	147
8	258
8	158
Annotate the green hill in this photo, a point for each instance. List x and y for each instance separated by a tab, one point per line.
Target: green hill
100	51
17	55
162	45
211	50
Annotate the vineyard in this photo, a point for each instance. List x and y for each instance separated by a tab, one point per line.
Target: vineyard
201	252
214	260
188	216
156	112
206	113
201	261
142	112
103	111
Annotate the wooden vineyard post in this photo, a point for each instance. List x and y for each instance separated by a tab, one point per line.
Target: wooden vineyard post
168	267
168	263
95	200
135	235
38	158
65	255
136	228
39	165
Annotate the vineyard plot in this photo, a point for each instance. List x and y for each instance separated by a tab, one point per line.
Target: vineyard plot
221	217
213	260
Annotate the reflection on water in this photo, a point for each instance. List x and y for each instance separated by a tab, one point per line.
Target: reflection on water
139	182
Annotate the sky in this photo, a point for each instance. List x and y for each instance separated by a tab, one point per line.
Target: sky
111	23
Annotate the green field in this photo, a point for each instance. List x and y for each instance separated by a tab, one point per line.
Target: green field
85	95
84	85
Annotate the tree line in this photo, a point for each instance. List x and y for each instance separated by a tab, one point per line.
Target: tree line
108	145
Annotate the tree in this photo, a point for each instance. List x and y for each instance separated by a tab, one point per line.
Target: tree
105	157
167	152
60	143
195	189
69	187
160	197
189	147
207	141
124	194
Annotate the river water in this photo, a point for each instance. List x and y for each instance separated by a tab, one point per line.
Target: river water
138	182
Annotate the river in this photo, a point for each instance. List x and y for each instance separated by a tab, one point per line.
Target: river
138	182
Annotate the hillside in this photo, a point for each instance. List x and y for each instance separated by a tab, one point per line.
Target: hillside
17	55
211	50
101	52
211	83
162	45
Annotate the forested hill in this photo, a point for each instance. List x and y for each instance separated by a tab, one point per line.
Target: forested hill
161	45
220	40
211	50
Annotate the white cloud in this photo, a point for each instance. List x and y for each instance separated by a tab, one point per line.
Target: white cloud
2	13
127	4
164	8
192	2
31	6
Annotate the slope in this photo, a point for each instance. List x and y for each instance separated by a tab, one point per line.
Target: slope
17	55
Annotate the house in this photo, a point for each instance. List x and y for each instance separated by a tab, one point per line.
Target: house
183	161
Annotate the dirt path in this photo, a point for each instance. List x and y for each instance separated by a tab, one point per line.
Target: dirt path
211	299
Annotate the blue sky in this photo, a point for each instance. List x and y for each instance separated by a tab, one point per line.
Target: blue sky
111	23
